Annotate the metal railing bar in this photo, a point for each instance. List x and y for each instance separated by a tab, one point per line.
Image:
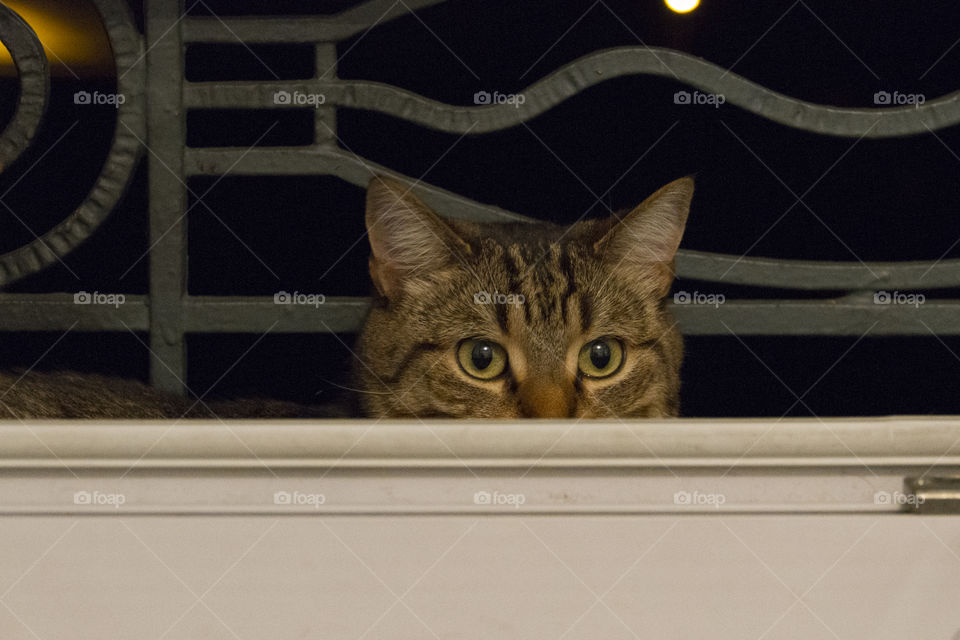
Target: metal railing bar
58	311
817	275
254	314
579	75
696	265
326	160
250	314
168	196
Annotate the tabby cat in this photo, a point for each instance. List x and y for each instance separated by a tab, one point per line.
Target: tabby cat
521	319
471	320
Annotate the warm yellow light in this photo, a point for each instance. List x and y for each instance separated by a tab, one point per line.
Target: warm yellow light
682	6
70	31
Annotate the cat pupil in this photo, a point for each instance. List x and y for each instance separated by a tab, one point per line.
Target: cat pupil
600	354
482	355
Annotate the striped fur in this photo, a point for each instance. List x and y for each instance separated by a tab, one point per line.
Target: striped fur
596	278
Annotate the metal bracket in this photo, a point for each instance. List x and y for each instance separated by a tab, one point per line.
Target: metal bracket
932	494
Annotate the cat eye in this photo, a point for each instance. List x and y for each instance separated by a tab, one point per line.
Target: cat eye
482	359
600	358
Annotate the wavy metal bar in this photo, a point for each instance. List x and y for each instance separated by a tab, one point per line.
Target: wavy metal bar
127	45
696	265
31	62
287	29
580	75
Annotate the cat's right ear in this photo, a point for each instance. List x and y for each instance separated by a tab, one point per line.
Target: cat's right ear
406	237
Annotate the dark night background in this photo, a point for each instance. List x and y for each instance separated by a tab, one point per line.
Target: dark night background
893	199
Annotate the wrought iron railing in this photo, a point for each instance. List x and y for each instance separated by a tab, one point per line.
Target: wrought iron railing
150	74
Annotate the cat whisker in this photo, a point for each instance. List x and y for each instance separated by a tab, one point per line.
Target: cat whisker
365	391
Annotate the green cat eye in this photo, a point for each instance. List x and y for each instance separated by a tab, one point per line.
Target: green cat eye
600	358
482	359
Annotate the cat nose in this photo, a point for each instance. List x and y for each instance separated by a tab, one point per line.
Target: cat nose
545	400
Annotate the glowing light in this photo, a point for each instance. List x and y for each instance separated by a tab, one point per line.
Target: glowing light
70	32
682	6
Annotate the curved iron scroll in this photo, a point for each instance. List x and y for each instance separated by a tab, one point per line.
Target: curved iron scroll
125	151
31	62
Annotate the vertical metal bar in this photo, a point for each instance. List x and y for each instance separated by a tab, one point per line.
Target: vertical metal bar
166	138
325	123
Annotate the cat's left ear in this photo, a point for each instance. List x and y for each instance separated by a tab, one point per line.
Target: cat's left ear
644	242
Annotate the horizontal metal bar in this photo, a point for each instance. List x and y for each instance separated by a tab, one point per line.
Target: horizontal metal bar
818	275
215	314
842	317
63	311
201	314
577	76
288	29
696	265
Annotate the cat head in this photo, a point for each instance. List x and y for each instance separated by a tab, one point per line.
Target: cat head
521	319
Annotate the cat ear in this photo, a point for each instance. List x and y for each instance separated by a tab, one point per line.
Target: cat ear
644	242
406	237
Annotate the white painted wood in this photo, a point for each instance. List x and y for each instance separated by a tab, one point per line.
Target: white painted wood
666	529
